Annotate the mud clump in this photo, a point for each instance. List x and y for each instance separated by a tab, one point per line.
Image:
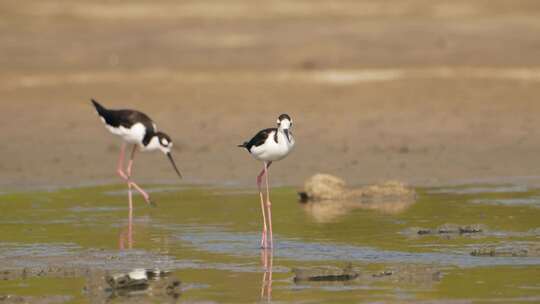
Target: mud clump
325	274
382	274
15	299
327	197
138	285
513	251
451	229
322	187
136	279
411	274
149	282
49	271
418	275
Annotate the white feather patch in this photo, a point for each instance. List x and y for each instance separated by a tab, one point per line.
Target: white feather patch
133	135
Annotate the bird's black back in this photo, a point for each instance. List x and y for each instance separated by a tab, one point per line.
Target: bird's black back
259	138
126	118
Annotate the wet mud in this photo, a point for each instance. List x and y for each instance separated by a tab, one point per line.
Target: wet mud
508	250
207	238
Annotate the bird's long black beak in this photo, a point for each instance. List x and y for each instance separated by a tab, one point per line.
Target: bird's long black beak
169	155
287	134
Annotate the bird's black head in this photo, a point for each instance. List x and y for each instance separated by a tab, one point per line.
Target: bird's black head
284	123
284	116
164	143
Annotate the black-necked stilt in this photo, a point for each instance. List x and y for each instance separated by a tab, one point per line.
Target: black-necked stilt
138	129
270	145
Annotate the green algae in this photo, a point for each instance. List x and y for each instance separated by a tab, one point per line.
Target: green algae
209	238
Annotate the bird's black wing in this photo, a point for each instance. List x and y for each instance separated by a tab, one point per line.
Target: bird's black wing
258	139
126	118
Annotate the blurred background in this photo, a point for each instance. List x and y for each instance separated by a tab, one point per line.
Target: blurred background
424	91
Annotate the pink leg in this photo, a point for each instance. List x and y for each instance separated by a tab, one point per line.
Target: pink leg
126	177
130	219
266	288
268	203
264	261
121	163
270	265
264	243
130	165
123	175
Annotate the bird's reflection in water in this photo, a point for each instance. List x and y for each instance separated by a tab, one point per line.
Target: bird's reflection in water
125	239
266	286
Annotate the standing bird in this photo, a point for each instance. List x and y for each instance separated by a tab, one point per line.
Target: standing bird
138	129
270	145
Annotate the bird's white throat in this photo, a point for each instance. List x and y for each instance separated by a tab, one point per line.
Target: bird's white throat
154	144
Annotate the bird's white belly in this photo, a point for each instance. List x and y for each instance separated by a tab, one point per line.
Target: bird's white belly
133	135
272	151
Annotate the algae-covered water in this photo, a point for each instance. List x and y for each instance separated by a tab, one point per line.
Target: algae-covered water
56	246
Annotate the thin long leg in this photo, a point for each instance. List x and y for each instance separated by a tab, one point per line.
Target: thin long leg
130	219
129	182
121	163
129	169
130	196
126	177
123	175
264	231
130	163
264	260
142	192
266	286
268	203
270	265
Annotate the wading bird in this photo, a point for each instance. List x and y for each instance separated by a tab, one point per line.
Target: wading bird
270	145
138	129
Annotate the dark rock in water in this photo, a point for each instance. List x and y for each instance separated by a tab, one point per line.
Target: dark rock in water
424	231
451	229
325	274
401	273
304	198
470	229
384	273
336	277
447	229
500	252
135	280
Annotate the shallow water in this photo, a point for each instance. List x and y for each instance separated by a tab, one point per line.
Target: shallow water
209	238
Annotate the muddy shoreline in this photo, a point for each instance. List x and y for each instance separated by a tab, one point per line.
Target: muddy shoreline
428	93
